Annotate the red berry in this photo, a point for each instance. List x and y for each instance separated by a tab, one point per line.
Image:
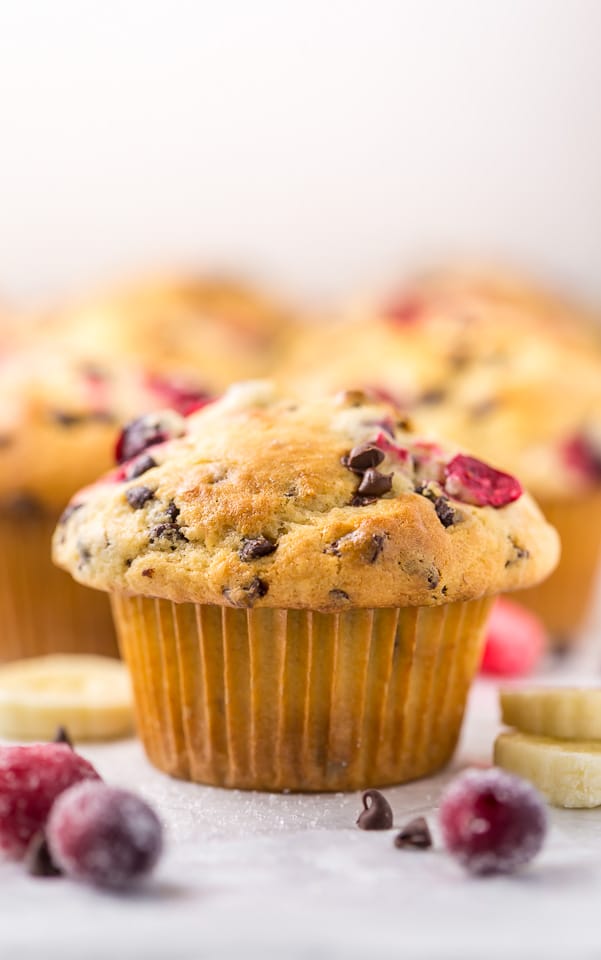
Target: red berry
179	396
472	481
146	431
405	312
104	836
31	778
515	640
581	455
492	821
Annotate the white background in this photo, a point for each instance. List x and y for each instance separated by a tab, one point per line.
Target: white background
317	143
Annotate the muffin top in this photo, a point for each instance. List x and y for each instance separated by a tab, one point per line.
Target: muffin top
217	329
260	501
59	415
499	368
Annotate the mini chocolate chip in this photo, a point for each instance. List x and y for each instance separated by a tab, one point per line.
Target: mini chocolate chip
415	836
339	595
168	531
445	512
62	736
138	496
377	540
374	484
519	553
444	590
68	513
148	572
139	466
66	419
362	457
85	554
433	578
432	397
333	548
254	547
38	860
358	501
245	596
376	813
172	510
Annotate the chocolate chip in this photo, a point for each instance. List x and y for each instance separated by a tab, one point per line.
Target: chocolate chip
338	595
254	547
23	506
138	496
62	736
169	532
85	554
172	511
358	501
432	397
66	419
377	540
445	512
68	513
376	813
433	578
38	860
374	484
415	836
333	548
519	553
148	572
245	596
139	466
362	457
484	407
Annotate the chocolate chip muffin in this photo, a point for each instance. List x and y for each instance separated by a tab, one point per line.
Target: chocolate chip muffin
504	369
300	590
214	329
59	418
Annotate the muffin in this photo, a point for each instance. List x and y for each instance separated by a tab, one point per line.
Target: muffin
300	589
503	370
214	329
59	418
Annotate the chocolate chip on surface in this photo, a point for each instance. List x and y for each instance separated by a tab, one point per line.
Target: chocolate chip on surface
362	457
376	813
378	540
338	595
358	501
374	484
139	466
414	836
148	572
172	511
445	512
138	496
245	596
168	532
432	397
518	553
254	547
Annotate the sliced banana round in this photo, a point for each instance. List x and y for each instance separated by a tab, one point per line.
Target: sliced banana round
568	713
567	773
88	695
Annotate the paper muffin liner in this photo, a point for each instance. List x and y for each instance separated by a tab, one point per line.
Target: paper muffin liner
271	699
565	599
42	609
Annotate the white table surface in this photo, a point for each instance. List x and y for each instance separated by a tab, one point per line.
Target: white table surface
258	875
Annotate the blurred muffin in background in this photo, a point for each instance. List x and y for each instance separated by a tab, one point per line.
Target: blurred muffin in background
505	370
66	387
214	329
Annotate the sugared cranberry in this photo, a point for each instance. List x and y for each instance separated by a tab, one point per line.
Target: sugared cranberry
515	640
405	311
472	481
179	396
31	778
146	431
492	821
581	455
104	836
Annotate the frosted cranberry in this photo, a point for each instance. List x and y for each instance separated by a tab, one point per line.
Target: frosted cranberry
146	431
515	640
492	821
31	778
179	396
581	455
472	481
104	836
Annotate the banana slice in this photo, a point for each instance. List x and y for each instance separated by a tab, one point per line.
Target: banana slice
565	712
89	695
568	774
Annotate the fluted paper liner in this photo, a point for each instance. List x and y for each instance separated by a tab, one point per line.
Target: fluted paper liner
297	700
42	609
565	599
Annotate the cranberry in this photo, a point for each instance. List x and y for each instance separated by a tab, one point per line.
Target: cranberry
472	481
580	455
515	640
492	821
179	396
405	312
104	836
401	454
31	777
146	431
